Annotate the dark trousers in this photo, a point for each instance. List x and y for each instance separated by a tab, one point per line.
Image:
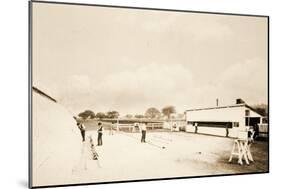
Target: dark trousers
99	139
196	129
143	133
227	132
83	135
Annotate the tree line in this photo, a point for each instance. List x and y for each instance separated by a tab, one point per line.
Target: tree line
151	113
89	114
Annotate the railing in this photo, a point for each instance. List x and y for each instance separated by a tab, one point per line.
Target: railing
133	128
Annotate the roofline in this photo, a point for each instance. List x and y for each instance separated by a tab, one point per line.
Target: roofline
220	107
251	108
217	107
43	94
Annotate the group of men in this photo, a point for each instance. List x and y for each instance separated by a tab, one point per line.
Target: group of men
82	129
100	129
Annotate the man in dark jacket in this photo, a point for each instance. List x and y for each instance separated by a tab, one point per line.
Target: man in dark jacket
82	129
100	130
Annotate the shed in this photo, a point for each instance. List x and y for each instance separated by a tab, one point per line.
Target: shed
222	120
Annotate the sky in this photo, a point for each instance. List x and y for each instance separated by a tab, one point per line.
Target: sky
129	60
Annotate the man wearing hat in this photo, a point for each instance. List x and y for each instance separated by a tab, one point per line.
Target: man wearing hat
100	131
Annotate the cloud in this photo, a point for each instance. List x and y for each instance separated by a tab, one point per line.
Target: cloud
129	91
135	89
203	27
130	61
79	82
149	85
246	80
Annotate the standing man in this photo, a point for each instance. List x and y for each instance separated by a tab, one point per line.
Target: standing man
82	129
174	127
256	130
196	127
100	130
136	127
111	128
143	132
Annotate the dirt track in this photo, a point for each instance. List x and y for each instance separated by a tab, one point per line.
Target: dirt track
124	157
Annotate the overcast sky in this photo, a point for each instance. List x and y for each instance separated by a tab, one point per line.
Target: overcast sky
129	60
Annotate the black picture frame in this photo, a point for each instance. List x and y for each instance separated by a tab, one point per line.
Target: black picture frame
30	79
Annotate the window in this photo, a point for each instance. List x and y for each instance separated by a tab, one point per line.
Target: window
235	124
264	120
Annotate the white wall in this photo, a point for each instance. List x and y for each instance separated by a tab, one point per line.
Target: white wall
212	131
252	113
233	114
56	143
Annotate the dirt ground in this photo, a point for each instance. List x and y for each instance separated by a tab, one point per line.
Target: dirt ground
165	155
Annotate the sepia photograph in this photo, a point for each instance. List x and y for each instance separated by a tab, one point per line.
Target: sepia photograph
122	94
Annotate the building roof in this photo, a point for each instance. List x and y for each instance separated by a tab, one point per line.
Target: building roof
43	94
220	107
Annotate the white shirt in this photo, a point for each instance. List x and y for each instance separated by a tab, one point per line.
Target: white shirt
143	127
100	129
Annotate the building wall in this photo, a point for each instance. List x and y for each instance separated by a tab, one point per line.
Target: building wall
231	114
56	142
252	113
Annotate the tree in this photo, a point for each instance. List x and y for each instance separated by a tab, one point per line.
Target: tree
152	113
261	109
180	116
129	116
100	115
112	114
168	110
87	114
139	116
